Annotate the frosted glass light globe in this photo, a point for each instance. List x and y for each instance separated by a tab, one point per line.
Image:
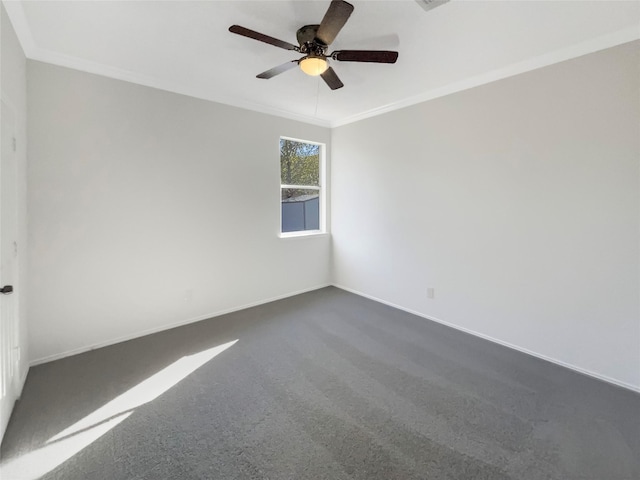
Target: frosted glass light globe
313	66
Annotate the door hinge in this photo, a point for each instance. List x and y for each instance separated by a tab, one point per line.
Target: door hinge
14	143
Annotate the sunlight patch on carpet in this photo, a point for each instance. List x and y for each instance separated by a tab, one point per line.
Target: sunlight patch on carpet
78	436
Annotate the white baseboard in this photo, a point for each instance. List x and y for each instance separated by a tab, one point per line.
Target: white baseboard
162	328
583	371
143	333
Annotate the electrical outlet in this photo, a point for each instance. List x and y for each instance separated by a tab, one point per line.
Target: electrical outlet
431	293
188	295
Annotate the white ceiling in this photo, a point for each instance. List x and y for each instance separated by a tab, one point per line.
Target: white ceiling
185	47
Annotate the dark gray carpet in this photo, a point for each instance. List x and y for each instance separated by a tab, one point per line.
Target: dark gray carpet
328	385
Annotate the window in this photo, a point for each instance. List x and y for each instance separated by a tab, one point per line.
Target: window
301	186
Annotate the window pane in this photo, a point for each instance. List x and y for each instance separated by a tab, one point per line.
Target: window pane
299	163
300	210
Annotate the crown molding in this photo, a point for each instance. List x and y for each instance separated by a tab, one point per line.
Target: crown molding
561	55
20	26
87	66
33	52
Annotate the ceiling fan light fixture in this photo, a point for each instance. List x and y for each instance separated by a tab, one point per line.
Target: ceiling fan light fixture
313	66
314	41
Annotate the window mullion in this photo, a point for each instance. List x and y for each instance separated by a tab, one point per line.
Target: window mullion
301	187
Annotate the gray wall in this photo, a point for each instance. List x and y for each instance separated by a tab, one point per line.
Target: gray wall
149	208
13	84
517	201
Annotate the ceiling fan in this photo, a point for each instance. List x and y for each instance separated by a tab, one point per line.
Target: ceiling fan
314	41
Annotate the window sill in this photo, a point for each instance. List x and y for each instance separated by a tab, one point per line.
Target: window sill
304	234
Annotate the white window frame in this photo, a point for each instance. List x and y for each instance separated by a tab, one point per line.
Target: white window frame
321	189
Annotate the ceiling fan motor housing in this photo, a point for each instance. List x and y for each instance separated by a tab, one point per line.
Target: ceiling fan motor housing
309	43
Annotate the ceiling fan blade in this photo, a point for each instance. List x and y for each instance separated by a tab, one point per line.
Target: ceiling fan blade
331	79
278	70
376	56
245	32
333	21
